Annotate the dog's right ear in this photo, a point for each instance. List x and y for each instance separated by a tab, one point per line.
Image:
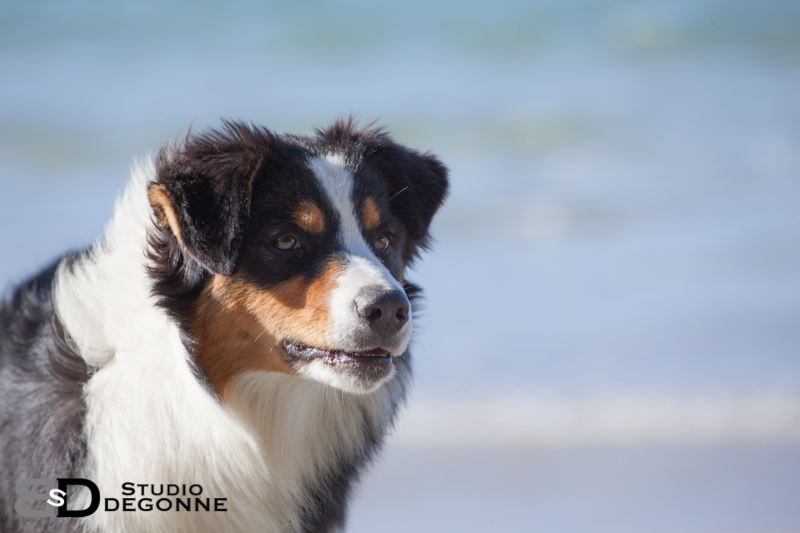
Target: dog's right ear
202	192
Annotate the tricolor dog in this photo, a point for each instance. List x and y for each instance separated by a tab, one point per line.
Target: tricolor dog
242	330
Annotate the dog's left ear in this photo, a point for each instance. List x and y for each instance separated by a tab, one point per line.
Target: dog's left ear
417	182
202	193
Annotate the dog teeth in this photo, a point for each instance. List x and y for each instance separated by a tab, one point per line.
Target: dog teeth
334	357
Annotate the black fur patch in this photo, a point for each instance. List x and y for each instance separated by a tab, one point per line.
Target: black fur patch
41	401
416	183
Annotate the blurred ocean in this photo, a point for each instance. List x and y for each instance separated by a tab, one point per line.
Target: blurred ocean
611	337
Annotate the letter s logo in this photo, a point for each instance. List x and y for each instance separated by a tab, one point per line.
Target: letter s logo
54	495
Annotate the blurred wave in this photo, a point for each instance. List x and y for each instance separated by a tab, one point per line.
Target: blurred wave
638	420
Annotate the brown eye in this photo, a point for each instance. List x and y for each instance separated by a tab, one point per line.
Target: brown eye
382	242
286	242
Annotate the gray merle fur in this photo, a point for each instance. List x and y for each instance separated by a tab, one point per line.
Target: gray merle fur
41	401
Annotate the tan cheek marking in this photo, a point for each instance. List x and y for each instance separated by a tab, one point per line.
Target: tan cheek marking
162	205
228	341
370	213
240	328
309	217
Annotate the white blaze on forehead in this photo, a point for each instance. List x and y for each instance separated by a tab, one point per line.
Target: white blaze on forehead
363	269
337	181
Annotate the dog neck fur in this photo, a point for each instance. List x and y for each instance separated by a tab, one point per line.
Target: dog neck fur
149	420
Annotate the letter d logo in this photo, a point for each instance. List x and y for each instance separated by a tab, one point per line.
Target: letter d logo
94	503
27	493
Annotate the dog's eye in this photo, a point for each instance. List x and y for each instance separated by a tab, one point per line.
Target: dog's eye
287	241
382	242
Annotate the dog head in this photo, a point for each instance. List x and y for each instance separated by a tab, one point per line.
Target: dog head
287	253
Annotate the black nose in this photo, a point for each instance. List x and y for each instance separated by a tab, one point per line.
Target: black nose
385	311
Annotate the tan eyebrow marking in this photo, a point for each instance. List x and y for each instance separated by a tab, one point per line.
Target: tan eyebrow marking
309	217
370	214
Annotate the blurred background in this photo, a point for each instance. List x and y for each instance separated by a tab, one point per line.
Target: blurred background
611	337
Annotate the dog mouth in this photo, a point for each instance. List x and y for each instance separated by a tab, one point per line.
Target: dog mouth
375	356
